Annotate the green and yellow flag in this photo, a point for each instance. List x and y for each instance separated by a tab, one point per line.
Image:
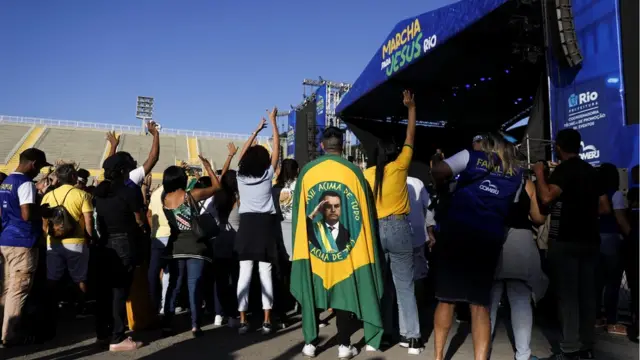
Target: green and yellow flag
336	263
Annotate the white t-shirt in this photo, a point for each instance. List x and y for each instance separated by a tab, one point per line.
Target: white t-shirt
617	201
256	193
137	175
26	192
458	162
419	215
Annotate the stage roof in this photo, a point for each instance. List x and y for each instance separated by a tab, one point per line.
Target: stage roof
474	63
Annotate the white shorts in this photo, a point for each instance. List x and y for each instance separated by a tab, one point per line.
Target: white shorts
72	257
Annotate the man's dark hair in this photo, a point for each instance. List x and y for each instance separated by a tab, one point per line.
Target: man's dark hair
568	140
330	194
332	139
84	174
67	174
2	177
609	176
203	182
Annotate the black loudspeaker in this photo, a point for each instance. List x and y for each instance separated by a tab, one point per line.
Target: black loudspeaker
629	10
567	33
305	133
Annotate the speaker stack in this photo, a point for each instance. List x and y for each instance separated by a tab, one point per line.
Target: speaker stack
567	33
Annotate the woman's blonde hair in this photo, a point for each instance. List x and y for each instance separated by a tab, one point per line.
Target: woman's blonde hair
493	144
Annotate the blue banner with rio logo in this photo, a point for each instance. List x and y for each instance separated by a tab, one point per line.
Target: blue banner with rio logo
590	98
321	114
291	135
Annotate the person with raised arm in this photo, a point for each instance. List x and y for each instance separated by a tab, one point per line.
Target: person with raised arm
256	238
388	179
189	247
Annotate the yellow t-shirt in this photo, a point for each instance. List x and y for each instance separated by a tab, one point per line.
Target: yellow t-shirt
394	197
159	224
77	202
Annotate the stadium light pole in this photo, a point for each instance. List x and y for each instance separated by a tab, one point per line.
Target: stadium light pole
144	110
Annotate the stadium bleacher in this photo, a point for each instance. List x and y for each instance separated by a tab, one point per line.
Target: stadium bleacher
12	134
85	143
172	148
216	150
84	147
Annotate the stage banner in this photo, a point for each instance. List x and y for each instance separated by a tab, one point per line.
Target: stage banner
590	98
291	135
321	114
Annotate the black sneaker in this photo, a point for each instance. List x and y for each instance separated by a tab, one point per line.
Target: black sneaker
266	329
404	342
415	346
586	355
243	328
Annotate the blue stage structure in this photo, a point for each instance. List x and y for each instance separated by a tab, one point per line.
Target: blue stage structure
476	64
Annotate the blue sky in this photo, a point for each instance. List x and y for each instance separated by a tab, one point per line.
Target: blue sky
212	65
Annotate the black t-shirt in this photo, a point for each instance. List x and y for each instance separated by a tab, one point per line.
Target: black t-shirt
116	211
574	216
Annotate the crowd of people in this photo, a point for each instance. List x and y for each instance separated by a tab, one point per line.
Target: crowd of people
482	226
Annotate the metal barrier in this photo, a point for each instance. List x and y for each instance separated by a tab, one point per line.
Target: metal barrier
121	128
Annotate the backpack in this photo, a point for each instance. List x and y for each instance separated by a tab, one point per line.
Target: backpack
61	224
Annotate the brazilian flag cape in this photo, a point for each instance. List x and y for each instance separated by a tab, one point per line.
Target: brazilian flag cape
342	273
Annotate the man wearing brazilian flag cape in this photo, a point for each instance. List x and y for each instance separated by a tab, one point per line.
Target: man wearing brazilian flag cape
335	248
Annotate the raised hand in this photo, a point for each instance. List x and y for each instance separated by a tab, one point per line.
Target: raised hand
273	114
152	127
204	161
232	149
408	99
317	209
261	125
113	139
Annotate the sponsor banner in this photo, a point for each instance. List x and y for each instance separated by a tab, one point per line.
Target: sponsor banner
291	135
590	98
321	114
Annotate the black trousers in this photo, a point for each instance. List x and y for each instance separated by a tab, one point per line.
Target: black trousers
573	267
345	323
115	276
631	250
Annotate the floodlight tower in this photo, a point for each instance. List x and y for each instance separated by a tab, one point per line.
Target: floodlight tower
144	110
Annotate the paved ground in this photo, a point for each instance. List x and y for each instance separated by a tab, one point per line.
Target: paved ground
75	341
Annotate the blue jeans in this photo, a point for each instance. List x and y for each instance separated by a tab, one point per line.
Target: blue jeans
609	275
397	244
192	269
157	263
519	296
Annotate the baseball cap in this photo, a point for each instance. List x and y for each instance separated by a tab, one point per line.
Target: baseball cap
33	154
478	138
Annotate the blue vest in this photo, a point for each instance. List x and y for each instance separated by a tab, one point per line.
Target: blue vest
15	231
608	223
484	196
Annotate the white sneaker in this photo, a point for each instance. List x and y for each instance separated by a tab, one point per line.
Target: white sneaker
309	350
347	352
370	348
218	320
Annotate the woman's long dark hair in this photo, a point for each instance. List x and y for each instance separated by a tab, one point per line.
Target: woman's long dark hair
609	177
289	170
255	162
384	153
226	197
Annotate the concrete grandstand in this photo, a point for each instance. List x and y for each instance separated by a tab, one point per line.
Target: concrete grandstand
85	143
